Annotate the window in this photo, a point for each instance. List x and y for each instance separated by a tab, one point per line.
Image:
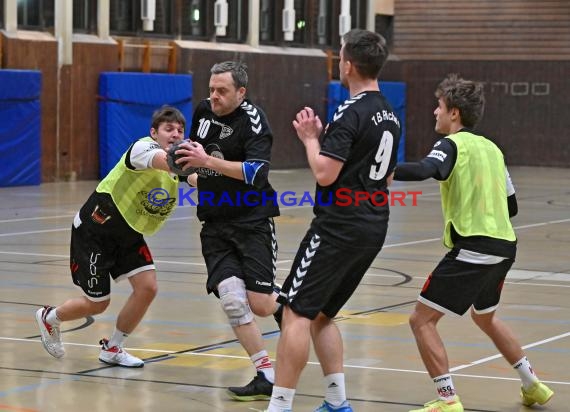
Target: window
236	31
36	14
301	24
122	15
358	14
163	18
2	24
271	26
329	36
267	29
198	19
125	16
324	23
85	16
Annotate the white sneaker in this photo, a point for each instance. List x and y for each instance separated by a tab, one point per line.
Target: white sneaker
118	356
51	335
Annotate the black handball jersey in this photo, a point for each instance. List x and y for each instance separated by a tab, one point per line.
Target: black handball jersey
363	134
243	136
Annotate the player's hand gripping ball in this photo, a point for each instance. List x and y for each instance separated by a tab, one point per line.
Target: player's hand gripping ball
172	157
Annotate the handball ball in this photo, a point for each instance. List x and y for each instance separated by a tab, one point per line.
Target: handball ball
171	158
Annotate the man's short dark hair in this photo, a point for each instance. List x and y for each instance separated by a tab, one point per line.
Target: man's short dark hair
465	95
366	50
167	114
237	69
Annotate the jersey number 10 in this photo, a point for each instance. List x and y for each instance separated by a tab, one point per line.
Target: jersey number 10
203	128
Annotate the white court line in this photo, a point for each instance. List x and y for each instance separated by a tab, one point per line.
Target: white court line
348	366
489	358
550	222
5	252
416	242
67	256
537	284
25	219
33	232
279	262
173	262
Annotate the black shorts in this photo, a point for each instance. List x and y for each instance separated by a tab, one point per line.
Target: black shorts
324	275
245	250
454	286
104	246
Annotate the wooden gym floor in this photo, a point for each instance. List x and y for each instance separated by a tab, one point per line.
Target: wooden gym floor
191	354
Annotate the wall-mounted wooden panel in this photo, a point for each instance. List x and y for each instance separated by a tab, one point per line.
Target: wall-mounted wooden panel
39	52
69	126
482	30
80	150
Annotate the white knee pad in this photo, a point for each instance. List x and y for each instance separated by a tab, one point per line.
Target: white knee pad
233	298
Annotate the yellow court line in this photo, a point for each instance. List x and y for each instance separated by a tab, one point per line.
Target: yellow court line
16	409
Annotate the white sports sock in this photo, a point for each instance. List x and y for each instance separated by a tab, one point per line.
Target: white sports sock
52	318
445	388
335	392
281	399
525	372
263	364
118	338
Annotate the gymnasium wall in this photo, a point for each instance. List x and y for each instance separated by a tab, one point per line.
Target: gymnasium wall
68	102
482	30
519	48
79	129
526	111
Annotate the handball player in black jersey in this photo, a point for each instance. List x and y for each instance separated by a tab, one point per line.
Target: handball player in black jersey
355	157
231	151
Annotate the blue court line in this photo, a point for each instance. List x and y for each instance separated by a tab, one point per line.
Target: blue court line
27	388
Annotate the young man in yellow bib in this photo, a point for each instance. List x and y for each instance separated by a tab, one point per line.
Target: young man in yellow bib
134	199
478	199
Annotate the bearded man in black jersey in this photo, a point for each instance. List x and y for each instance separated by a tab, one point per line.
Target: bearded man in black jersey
355	156
231	150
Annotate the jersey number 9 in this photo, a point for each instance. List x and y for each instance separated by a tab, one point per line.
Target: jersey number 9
382	158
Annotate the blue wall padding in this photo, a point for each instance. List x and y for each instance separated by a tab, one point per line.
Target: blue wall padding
395	92
20	127
126	104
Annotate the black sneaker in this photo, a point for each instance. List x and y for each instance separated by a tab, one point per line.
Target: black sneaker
259	389
278	316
